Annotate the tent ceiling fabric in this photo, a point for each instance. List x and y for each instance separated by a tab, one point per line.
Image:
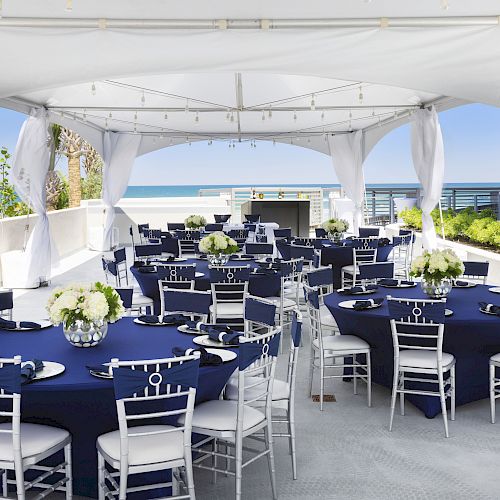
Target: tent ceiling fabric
281	68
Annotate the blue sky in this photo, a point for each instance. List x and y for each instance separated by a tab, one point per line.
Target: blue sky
471	138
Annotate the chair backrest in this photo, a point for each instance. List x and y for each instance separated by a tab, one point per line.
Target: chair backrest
257	365
376	270
283	232
293	356
148	390
259	315
10	402
364	250
239	234
321	280
173	226
151	250
283	248
192	303
188	235
211	228
110	271
474	270
175	277
252	218
142	227
229	284
120	255
366	232
259	248
222	218
170	245
417	324
250	227
305	242
321	232
126	295
313	302
6	303
301	251
152	234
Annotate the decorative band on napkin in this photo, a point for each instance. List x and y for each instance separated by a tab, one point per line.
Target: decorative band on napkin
490	308
170	319
6	324
360	305
29	369
206	358
395	282
356	289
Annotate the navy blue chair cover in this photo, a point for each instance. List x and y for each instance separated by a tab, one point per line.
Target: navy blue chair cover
360	243
283	232
472	268
187	301
188	235
319	243
222	219
321	277
229	274
283	248
376	270
120	255
366	232
321	233
405	232
126	296
416	311
176	272
170	245
259	248
238	234
10	378
6	300
128	382
296	252
250	352
148	250
260	311
210	228
312	298
305	242
141	227
173	226
251	227
400	240
152	234
296	330
252	218
108	266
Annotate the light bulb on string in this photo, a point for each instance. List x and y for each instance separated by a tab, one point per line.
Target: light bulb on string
196	118
445	4
162	135
154	139
232	116
270	113
373	111
295	116
143	99
350	126
350	114
135	116
228	115
210	142
69	5
313	103
93	89
360	96
106	124
135	128
171	141
322	115
263	116
165	116
84	115
110	115
186	109
308	140
274	142
378	124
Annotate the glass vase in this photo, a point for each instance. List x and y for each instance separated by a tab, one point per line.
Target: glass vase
86	334
439	290
336	237
217	259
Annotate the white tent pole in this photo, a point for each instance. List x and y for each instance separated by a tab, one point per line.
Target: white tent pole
441	218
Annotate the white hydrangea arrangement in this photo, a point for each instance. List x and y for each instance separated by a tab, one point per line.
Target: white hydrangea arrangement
218	242
437	265
333	226
195	221
88	303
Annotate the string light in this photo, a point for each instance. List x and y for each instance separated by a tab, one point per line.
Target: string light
210	141
308	140
135	116
186	109
110	115
360	96
322	115
93	89
135	128
274	142
232	116
295	116
106	124
197	118
143	99
162	134
350	114
373	111
313	103
270	113
84	115
69	5
445	4
378	124
228	115
263	116
171	141
165	116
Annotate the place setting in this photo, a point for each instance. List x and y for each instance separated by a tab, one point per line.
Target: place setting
358	290
24	326
166	320
491	309
362	305
218	336
396	283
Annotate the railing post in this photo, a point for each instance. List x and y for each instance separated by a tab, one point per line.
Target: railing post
498	205
475	203
391	208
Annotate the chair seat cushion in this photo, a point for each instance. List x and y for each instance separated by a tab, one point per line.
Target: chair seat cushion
350	269
414	358
348	343
151	449
138	299
221	416
281	389
35	439
231	309
287	303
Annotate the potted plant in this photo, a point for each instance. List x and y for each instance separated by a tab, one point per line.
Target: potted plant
218	247
336	229
85	311
195	221
437	270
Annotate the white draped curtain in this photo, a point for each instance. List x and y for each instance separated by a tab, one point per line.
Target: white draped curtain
346	151
29	172
120	151
428	160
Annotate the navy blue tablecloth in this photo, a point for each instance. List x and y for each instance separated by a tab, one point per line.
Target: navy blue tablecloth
85	405
262	285
338	257
471	336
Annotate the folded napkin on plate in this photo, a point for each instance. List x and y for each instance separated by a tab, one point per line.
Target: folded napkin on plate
29	369
356	289
460	283
222	333
394	282
98	368
171	319
194	325
147	269
491	308
206	358
360	305
6	324
265	270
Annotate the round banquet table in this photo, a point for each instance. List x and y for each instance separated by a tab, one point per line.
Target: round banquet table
85	405
261	285
470	335
338	257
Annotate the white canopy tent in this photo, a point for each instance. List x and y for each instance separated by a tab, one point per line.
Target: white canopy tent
290	72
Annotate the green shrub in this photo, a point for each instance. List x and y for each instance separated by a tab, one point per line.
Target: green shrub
412	217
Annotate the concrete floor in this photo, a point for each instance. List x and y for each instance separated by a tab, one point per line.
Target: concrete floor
346	451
